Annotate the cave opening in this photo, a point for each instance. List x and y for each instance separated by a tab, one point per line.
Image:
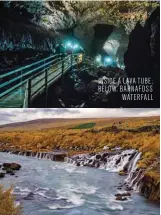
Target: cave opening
101	33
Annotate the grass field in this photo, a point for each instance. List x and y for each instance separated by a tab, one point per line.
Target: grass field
84	126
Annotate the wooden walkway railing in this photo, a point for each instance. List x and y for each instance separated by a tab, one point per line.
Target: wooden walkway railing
19	87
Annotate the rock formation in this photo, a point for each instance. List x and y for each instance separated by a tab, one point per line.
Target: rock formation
142	56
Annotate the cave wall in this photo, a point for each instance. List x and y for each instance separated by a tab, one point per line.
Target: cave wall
142	57
37	24
18	31
31	25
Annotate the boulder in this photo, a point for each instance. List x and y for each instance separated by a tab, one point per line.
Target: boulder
128	188
123	194
9	171
12	166
30	196
119	198
2	175
78	164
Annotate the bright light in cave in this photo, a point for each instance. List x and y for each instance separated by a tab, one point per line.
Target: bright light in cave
69	44
98	59
75	46
108	60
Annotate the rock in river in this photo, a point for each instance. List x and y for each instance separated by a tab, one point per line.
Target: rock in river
12	166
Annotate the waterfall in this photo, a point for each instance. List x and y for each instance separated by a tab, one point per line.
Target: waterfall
53	156
115	161
134	176
132	166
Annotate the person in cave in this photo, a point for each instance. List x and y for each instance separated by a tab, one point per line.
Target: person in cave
60	49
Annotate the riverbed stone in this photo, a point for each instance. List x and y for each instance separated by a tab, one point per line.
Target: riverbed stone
123	194
2	174
30	196
12	166
9	171
120	198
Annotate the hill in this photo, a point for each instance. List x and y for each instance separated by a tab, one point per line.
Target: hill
40	124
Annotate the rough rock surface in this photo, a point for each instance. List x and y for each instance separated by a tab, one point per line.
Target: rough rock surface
142	56
150	188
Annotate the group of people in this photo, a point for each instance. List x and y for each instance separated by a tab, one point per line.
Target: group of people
62	49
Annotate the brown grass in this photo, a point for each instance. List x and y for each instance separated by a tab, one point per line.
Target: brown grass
7	206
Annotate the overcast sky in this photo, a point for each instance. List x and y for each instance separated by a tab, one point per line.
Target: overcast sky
19	115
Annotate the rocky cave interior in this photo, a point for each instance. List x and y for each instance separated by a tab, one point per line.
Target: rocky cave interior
30	31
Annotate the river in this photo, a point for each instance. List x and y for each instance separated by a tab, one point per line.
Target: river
45	187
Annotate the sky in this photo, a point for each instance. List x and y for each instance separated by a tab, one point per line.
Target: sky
19	115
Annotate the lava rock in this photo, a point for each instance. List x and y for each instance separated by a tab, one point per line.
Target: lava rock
78	164
12	166
2	175
30	196
123	194
98	156
127	188
9	171
119	198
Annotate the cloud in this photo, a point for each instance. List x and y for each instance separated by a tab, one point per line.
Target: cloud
19	115
58	111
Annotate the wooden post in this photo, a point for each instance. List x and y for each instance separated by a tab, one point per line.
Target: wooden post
46	88
29	92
